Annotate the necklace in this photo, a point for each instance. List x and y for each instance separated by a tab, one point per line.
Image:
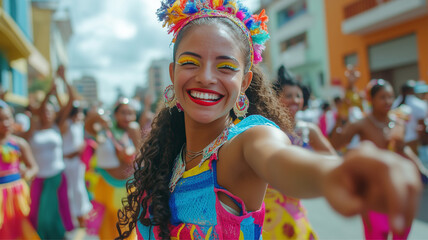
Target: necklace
379	124
180	162
385	127
190	155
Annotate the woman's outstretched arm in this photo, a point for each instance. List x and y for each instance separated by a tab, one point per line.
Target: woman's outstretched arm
366	178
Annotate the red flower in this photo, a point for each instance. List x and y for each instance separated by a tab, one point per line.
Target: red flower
288	230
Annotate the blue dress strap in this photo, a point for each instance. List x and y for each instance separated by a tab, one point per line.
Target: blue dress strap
249	122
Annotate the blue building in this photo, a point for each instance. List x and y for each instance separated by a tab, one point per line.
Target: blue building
18	55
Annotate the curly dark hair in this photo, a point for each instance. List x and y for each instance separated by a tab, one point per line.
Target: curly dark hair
148	190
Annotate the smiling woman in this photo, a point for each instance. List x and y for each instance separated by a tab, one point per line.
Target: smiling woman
208	69
201	174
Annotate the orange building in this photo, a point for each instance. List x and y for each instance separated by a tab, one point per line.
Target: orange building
384	38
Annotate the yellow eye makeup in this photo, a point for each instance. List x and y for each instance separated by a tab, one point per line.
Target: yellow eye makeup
228	65
187	60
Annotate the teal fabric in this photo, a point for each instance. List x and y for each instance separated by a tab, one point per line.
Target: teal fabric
49	224
249	122
117	183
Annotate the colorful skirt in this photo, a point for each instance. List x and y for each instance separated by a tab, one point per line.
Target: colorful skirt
108	196
14	203
50	211
285	218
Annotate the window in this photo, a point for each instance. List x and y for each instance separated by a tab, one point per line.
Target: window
299	39
321	78
292	11
351	59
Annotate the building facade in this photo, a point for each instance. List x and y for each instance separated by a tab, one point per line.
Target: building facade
18	55
26	47
158	77
87	88
52	32
298	41
382	38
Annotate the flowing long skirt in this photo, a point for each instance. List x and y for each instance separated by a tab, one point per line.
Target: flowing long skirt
50	211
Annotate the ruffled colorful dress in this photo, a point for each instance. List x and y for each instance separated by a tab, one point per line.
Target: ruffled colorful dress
14	196
285	216
196	211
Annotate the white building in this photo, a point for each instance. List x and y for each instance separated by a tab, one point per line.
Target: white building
87	87
158	77
298	40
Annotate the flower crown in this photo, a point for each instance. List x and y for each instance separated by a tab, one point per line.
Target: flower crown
178	13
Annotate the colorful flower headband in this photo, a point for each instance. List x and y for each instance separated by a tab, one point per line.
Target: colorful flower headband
178	13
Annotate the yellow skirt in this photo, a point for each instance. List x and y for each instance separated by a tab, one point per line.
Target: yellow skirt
285	218
109	192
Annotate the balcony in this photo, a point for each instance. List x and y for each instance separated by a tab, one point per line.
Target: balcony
294	56
299	25
13	40
365	16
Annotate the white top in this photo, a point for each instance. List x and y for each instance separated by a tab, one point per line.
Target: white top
418	111
106	153
73	139
46	146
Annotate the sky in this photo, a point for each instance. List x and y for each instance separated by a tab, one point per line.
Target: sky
115	41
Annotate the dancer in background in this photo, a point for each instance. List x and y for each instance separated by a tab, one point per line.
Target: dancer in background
73	142
418	112
117	141
285	216
14	192
200	176
50	210
290	94
386	132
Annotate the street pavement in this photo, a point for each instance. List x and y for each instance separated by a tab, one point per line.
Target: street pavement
329	225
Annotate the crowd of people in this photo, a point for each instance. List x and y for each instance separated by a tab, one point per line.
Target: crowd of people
229	156
76	162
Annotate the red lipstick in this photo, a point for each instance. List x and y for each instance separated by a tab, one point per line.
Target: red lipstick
201	101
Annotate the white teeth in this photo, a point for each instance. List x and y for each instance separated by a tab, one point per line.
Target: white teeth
204	96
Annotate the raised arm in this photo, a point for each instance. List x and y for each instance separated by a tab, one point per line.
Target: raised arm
51	91
95	121
34	122
66	109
